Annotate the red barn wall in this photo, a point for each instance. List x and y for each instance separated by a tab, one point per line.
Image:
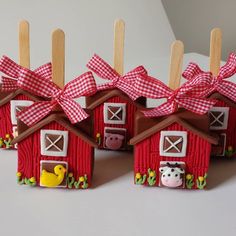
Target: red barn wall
79	155
5	116
129	124
231	130
146	154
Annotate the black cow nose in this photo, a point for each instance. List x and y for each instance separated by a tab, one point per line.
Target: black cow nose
172	170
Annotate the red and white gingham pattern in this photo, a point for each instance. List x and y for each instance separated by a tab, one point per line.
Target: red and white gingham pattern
83	85
124	83
186	96
12	69
193	74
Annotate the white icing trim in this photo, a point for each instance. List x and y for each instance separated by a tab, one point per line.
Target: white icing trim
183	138
105	113
223	110
14	104
54	162
44	151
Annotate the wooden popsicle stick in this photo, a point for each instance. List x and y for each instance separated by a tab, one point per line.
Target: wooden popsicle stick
215	51
119	35
24	44
58	57
176	62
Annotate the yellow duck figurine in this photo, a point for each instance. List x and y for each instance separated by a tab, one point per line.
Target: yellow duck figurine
51	180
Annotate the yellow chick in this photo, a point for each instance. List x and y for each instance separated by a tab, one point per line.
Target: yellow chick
50	180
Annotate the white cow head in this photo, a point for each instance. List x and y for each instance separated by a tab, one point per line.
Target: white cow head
171	175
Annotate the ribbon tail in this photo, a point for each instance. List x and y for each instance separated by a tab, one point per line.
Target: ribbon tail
197	105
229	69
8	84
9	67
102	68
84	85
73	110
45	71
228	89
162	110
36	112
150	87
191	71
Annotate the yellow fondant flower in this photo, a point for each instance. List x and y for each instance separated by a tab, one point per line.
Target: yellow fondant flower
188	176
98	135
18	174
201	178
151	174
81	179
8	136
138	176
70	175
32	180
230	148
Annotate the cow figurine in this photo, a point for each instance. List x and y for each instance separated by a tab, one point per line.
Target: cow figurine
114	141
171	175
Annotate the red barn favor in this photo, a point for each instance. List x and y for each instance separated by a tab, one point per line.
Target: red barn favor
55	144
13	98
113	105
172	142
223	114
172	151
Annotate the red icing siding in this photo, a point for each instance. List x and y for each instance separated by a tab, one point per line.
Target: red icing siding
5	116
129	124
79	156
146	154
231	130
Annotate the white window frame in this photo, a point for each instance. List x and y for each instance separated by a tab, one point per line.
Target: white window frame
225	110
183	134
123	119
16	103
55	162
44	152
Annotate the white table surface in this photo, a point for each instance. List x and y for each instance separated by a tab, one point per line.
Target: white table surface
115	206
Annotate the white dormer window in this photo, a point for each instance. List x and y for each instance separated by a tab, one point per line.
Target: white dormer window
173	143
54	142
219	118
17	106
114	113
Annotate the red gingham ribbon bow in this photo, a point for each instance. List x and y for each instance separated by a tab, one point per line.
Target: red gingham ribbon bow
12	69
211	83
84	85
124	83
186	96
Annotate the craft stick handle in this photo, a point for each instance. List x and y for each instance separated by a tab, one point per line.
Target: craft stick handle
215	50
119	35
58	57
176	62
24	44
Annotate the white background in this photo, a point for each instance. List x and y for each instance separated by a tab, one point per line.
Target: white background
114	206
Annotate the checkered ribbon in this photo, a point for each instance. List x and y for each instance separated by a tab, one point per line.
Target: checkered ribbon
83	85
187	96
124	83
211	83
12	69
